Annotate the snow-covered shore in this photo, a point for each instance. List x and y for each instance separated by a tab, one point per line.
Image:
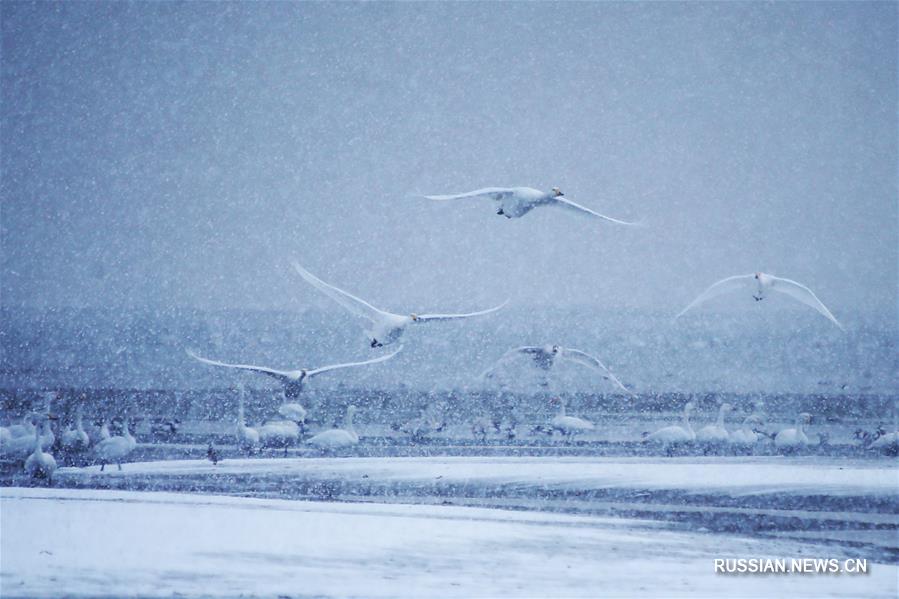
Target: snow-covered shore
123	543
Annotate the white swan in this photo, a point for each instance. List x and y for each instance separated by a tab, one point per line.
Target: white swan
386	327
568	425
23	429
336	438
116	448
20	446
28	425
715	434
40	464
279	433
247	437
675	435
293	411
76	439
104	430
545	357
293	380
793	438
758	284
515	202
746	436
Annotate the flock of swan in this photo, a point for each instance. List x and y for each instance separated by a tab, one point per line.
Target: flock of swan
385	328
31	439
716	435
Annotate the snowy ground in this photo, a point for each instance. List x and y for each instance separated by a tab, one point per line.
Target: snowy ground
118	543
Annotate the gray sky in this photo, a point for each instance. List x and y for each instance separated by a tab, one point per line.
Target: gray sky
167	153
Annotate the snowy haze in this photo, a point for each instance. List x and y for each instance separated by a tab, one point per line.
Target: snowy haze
159	154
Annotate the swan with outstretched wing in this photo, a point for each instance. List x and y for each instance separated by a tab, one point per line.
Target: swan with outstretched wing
515	202
544	358
293	380
386	327
759	284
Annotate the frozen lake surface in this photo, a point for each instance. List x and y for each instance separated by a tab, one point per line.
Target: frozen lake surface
99	543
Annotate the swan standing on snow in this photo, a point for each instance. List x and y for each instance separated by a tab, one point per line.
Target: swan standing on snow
247	437
116	448
746	436
280	433
293	380
386	327
515	202
674	435
293	411
24	429
17	440
715	434
793	438
40	464
759	283
27	427
76	439
337	437
568	425
103	433
545	357
20	446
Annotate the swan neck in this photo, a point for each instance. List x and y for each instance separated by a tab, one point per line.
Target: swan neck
721	417
38	450
348	421
687	420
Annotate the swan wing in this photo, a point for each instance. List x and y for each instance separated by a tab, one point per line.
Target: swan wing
427	317
311	373
800	292
733	283
492	193
350	302
575	207
526	350
281	375
585	359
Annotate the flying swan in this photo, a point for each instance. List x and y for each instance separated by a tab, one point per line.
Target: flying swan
293	380
760	283
545	357
515	202
386	327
